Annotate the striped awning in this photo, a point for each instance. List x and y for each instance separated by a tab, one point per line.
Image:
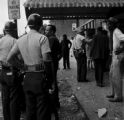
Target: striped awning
73	3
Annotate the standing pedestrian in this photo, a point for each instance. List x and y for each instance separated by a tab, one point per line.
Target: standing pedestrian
80	55
56	55
35	51
65	45
98	53
116	70
9	75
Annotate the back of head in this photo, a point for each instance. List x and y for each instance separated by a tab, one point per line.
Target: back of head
34	21
113	20
10	26
112	23
53	28
64	36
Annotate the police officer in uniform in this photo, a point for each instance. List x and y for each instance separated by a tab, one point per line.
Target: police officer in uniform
35	51
9	76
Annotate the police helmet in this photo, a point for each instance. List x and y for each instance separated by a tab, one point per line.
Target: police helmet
34	20
10	26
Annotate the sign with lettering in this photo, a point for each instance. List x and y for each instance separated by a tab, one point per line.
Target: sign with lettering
74	26
14	9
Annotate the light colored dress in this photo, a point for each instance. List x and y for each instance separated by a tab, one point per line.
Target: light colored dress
117	67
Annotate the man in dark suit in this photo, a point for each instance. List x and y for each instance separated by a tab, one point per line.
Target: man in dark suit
98	53
56	55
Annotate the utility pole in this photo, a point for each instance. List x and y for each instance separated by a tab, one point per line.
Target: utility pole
16	35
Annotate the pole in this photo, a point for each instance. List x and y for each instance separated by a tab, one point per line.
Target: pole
16	34
77	22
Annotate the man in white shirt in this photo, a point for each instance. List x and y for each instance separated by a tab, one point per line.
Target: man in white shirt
79	50
117	61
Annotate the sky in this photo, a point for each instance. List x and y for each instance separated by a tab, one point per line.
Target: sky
22	22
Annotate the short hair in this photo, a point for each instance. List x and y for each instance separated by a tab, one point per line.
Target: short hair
53	28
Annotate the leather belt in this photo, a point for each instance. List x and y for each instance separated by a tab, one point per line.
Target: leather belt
37	67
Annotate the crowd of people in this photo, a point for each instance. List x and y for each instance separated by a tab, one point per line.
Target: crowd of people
91	50
29	64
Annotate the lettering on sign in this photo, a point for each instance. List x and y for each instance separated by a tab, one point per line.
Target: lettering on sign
14	9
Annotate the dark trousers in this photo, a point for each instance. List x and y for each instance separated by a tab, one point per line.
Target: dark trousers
66	61
99	70
81	67
11	102
37	103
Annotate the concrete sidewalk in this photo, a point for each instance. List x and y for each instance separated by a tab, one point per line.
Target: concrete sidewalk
91	97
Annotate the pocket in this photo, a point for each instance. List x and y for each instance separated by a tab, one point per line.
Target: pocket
8	78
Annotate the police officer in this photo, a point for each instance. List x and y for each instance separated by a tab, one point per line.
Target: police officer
35	51
8	76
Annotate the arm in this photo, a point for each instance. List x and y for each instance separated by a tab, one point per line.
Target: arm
46	54
70	44
12	54
119	35
49	69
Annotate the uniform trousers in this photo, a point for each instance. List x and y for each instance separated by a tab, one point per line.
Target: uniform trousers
11	102
81	66
37	100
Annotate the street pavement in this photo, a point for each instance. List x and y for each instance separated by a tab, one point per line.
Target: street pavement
90	96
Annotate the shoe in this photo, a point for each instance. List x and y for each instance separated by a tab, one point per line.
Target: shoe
99	85
84	81
116	99
110	96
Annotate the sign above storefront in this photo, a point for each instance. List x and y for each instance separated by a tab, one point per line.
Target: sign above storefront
14	9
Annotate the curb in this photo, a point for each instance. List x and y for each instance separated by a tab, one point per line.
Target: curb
84	115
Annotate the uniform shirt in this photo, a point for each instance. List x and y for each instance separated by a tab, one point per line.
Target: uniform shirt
6	44
78	41
32	46
118	36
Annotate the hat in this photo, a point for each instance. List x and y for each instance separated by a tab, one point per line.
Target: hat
112	20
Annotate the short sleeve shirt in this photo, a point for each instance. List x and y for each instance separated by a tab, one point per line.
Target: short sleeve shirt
78	41
32	46
6	44
117	37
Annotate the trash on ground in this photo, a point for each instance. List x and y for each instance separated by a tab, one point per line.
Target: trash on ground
101	112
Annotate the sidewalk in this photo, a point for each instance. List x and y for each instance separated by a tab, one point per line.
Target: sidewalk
91	97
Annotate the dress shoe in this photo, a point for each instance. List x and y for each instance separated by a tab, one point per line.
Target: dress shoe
116	99
110	96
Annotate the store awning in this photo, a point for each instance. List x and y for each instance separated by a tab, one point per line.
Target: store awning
73	3
66	9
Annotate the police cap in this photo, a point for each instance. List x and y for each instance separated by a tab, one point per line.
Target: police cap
9	26
34	20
